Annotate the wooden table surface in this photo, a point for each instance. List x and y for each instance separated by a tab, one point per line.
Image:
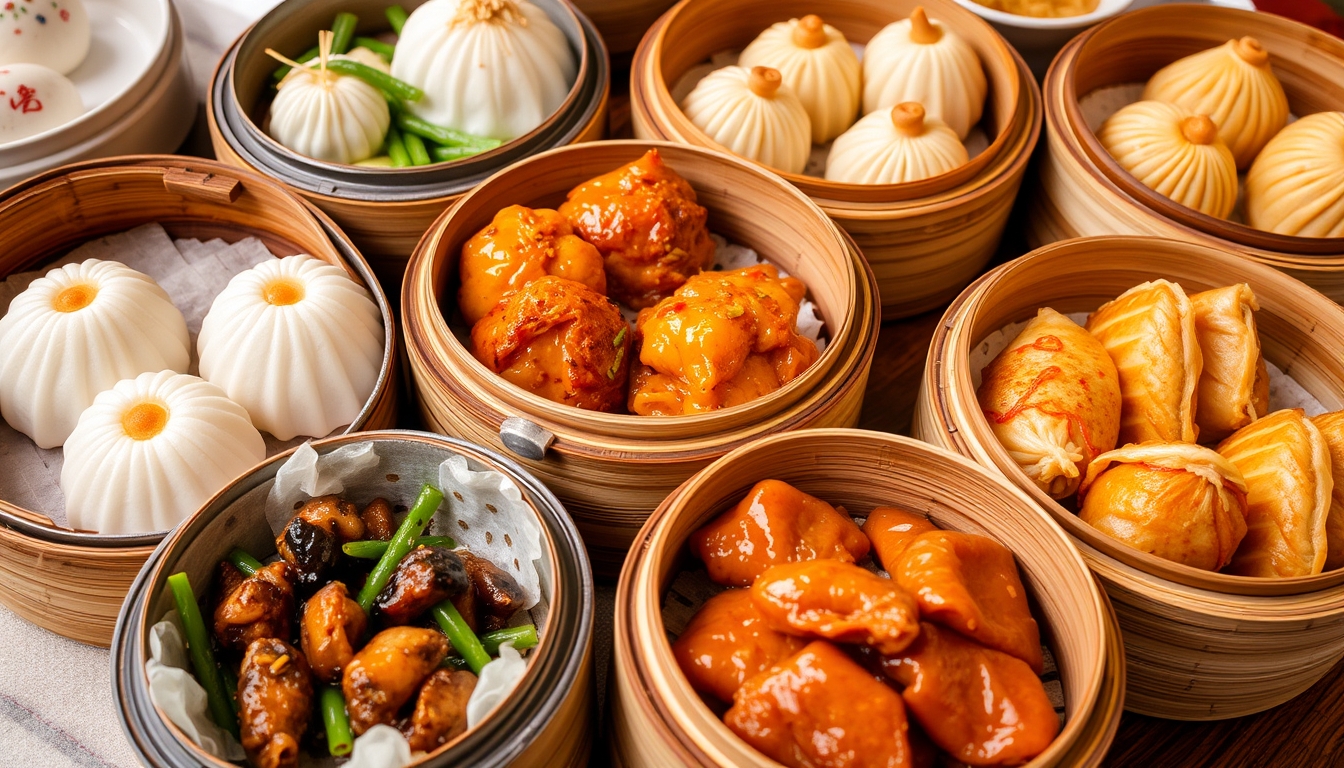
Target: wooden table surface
1307	732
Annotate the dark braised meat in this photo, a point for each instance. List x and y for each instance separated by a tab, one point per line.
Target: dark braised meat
332	628
388	672
440	710
425	577
378	522
275	701
259	606
497	593
312	539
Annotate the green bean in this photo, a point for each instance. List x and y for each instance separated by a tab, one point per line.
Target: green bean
523	637
440	135
372	550
244	562
449	154
384	82
342	29
455	662
229	676
386	50
415	147
426	504
380	161
283	69
460	635
202	657
340	741
396	16
396	152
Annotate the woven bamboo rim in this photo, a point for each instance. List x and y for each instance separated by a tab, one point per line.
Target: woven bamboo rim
660	720
590	464
73	584
694	30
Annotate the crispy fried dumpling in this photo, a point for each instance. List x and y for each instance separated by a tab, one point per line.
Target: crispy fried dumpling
1052	398
1234	384
1331	426
1149	332
1289	483
1180	501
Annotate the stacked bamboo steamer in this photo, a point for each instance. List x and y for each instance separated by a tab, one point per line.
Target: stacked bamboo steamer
1200	645
925	240
658	719
1084	192
610	470
383	210
74	583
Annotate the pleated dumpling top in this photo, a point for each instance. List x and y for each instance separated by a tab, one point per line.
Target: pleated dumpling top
919	59
151	450
297	343
1174	153
894	147
818	65
76	332
493	68
1234	85
753	114
326	116
1296	185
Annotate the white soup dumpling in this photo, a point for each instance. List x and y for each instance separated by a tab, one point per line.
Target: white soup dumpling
754	115
492	68
818	65
1296	184
297	343
52	33
919	59
151	450
895	147
330	117
34	99
76	332
1174	153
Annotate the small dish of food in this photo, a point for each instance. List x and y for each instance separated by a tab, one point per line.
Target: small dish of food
1039	28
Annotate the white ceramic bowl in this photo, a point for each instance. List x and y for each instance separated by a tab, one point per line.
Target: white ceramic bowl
1039	39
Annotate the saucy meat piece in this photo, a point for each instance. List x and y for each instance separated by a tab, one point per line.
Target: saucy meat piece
728	642
311	540
837	601
891	530
388	672
275	700
498	594
819	709
425	577
378	521
724	338
776	523
558	339
518	246
969	583
440	710
645	222
980	705
259	606
332	627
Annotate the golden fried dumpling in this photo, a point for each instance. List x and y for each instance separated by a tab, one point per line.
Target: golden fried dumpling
1174	152
1289	483
1296	184
723	339
1052	398
558	339
1180	501
520	245
1331	426
1234	385
1149	332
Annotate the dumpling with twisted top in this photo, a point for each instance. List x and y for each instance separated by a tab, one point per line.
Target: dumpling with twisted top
520	245
644	219
724	339
558	339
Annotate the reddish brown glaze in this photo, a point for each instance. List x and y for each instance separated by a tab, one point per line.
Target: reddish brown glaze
727	642
837	601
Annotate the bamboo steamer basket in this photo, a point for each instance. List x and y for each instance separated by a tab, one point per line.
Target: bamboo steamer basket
547	719
1200	645
384	210
658	719
74	583
623	22
1084	192
613	470
924	240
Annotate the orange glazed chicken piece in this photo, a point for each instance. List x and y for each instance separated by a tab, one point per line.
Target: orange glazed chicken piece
891	530
969	583
332	628
519	246
837	601
819	709
558	339
728	642
724	338
644	220
275	702
775	523
981	706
